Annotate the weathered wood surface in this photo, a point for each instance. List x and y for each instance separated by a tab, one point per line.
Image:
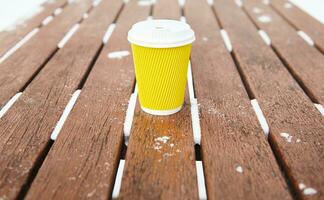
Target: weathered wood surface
160	159
82	162
296	128
9	38
301	21
25	130
19	68
231	135
305	62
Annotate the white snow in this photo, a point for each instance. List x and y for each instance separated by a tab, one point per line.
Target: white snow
18	45
68	35
260	116
320	108
145	2
6	107
118	54
314	8
118	179
309	191
239	3
65	114
227	40
265	37
264	19
257	10
108	33
306	190
239	169
287	136
305	37
201	181
130	115
15	12
301	186
47	20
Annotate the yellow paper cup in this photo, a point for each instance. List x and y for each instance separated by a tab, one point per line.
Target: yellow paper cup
161	51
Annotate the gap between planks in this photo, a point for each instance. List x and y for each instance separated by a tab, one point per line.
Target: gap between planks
76	94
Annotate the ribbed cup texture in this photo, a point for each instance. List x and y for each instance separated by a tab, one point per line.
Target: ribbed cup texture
161	75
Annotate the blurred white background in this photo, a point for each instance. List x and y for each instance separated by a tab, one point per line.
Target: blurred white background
15	12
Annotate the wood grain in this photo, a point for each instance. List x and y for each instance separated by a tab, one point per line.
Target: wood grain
10	38
160	159
19	68
82	162
301	21
304	61
25	130
231	134
285	106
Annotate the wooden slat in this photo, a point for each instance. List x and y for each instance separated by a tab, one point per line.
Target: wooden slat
301	21
25	130
160	159
10	38
305	62
231	135
83	161
19	68
284	104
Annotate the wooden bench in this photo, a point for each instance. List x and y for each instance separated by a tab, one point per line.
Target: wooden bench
251	127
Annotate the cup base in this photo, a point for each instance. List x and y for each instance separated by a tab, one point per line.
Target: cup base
161	112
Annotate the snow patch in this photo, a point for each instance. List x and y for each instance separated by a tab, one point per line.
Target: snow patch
202	194
58	11
18	45
239	3
239	169
306	37
14	13
287	136
260	116
309	191
306	190
118	179
8	105
65	114
264	19
265	37
145	2
320	108
68	35
227	40
118	54
47	20
108	33
130	115
256	10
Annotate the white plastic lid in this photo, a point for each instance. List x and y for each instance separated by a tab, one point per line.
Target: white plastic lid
161	33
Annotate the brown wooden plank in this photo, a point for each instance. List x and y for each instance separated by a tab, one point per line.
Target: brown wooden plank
20	67
25	130
231	134
286	107
10	38
304	61
160	159
301	21
83	160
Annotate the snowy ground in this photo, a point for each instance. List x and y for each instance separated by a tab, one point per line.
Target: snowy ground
15	12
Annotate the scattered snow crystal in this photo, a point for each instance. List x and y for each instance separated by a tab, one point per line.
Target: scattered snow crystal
264	19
